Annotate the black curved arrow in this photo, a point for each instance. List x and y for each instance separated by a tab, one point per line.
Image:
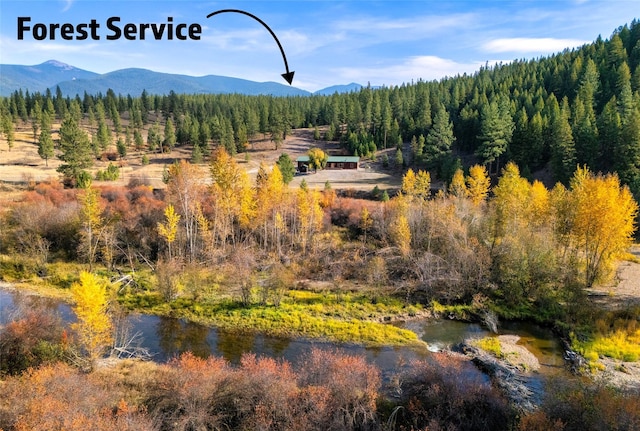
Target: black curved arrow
288	76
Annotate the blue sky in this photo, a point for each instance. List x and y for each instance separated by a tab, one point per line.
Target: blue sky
326	42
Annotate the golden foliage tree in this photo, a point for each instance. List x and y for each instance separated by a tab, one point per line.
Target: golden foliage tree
539	205
603	220
416	185
401	234
317	158
423	185
233	196
478	184
457	187
184	188
366	222
94	327
269	198
309	215
511	200
169	229
92	223
409	182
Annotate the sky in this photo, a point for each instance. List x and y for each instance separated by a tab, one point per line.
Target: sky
326	42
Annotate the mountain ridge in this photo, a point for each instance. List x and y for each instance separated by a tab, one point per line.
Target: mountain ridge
74	81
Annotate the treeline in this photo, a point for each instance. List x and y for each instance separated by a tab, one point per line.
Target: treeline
579	107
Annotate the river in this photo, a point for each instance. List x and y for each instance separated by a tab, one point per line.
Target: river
166	338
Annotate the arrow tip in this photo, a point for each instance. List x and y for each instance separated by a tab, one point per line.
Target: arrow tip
288	77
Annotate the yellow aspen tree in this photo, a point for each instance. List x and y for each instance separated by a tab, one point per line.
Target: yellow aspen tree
247	201
401	234
309	215
458	188
92	222
510	201
409	183
478	184
94	327
232	195
169	229
366	222
204	230
269	194
317	158
603	221
184	187
276	183
279	228
539	205
562	217
422	187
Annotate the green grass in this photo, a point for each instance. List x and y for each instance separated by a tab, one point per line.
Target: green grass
344	318
491	345
457	311
622	343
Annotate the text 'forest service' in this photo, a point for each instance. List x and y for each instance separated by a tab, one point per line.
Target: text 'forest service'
90	30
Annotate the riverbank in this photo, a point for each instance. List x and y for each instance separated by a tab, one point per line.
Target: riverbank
324	316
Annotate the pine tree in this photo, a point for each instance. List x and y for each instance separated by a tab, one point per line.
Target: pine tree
169	135
121	148
76	152
45	142
496	132
609	125
287	168
36	119
6	124
561	144
439	139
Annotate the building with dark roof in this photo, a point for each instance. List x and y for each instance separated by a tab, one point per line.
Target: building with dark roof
334	162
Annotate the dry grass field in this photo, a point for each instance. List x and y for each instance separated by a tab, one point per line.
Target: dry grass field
22	164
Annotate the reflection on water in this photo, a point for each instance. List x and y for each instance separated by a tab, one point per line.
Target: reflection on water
11	301
178	336
233	345
167	338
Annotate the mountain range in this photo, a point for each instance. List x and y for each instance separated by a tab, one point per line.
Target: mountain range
72	80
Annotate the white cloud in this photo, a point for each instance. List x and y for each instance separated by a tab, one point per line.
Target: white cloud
404	27
531	45
67	5
425	67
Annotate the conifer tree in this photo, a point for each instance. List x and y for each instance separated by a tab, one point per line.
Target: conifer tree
439	139
45	141
75	148
561	144
287	168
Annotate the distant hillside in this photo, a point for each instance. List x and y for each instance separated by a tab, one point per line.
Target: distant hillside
134	81
339	89
72	81
39	77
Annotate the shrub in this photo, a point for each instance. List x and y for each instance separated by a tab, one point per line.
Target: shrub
450	394
581	406
60	397
112	173
35	336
